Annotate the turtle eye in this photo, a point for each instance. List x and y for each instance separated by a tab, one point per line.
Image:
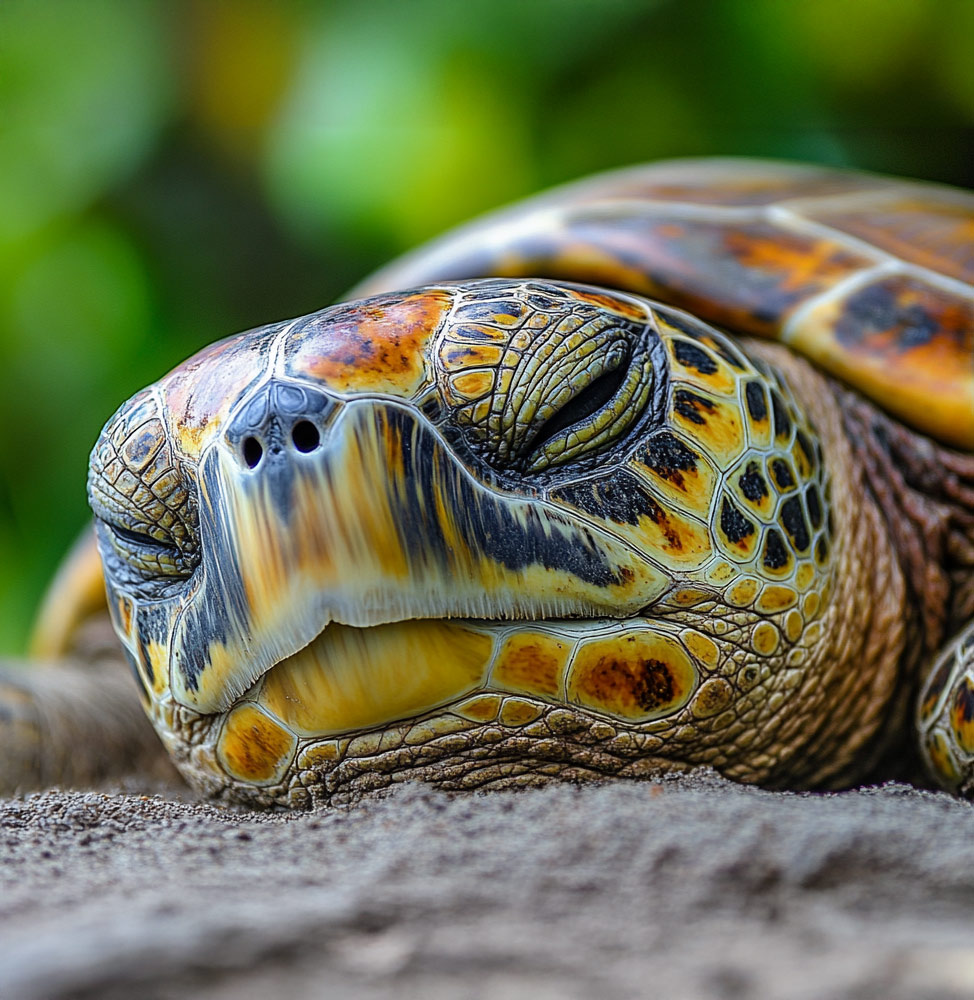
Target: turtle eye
138	538
580	408
150	552
546	376
592	411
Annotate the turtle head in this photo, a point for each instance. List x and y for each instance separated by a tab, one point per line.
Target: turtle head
433	454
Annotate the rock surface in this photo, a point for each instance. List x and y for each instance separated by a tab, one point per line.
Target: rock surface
690	887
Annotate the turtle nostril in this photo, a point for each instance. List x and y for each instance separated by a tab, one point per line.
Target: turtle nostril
305	436
252	452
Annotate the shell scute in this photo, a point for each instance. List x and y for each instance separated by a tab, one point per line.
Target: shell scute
928	232
780	250
905	342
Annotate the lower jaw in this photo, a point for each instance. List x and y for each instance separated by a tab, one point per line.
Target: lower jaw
442	749
459	703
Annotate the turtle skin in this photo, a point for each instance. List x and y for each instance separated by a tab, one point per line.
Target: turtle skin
503	527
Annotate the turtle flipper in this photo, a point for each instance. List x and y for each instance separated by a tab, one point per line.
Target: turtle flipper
945	715
72	722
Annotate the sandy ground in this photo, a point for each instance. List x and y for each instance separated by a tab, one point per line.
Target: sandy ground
689	887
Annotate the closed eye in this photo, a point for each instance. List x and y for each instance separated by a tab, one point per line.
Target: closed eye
580	407
139	538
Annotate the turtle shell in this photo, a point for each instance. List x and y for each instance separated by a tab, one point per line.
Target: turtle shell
870	277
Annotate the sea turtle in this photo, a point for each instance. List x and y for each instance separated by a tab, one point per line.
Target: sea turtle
520	522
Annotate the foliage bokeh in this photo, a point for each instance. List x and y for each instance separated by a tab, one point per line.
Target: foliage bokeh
171	172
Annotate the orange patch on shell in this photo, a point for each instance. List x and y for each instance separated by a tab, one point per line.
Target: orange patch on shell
905	343
935	234
744	275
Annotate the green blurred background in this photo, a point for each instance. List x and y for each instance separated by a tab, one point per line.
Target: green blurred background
171	172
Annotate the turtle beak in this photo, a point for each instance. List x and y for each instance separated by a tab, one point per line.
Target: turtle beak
314	509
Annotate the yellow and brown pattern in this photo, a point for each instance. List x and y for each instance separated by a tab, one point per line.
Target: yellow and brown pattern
590	561
502	530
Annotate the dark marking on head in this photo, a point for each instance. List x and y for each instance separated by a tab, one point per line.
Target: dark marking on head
215	612
781	473
691	356
735	526
146	660
489	289
515	542
936	685
814	505
431	408
688	404
649	683
757	405
684	324
487	312
144	688
752	483
619	497
704	334
775	553
543	303
669	457
475	334
801	439
821	550
782	422
793	518
963	705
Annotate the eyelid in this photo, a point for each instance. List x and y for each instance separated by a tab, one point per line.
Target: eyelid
606	424
148	555
140	538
